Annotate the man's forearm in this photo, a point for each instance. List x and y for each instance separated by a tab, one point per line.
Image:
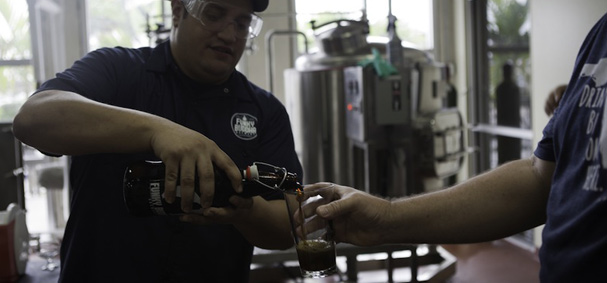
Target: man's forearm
267	226
493	205
67	123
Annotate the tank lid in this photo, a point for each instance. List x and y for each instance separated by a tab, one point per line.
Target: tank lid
341	37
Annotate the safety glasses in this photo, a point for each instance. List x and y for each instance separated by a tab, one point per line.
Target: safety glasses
215	16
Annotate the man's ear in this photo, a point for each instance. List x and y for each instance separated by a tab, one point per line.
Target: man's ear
177	10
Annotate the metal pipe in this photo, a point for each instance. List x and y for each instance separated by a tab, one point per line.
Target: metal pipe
269	55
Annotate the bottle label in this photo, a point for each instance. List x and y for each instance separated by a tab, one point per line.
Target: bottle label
159	206
155	200
196	206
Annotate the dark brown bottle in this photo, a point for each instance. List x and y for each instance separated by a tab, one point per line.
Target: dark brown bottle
143	187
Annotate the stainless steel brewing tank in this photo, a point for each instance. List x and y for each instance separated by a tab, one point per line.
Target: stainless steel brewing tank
315	101
314	97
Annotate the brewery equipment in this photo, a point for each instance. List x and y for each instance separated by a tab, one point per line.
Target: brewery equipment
383	127
389	134
315	98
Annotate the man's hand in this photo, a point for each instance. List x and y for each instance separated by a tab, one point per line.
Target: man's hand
553	99
222	215
263	223
100	128
187	154
358	218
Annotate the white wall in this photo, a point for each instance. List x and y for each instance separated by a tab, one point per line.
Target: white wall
558	28
278	16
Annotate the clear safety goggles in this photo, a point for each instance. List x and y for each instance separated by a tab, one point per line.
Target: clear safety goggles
216	16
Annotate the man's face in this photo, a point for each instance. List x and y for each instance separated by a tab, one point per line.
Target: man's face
206	53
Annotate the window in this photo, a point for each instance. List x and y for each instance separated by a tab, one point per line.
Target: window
414	17
500	41
500	104
508	47
127	23
17	83
17	73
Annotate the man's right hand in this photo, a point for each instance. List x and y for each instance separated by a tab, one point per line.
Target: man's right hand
187	154
95	127
357	216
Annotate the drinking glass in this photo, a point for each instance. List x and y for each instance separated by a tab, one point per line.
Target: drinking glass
313	236
49	250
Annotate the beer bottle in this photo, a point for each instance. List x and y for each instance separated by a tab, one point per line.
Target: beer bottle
143	187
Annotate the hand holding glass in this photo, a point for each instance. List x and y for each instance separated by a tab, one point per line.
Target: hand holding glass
313	235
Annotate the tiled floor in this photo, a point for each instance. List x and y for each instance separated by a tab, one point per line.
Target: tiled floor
495	262
491	262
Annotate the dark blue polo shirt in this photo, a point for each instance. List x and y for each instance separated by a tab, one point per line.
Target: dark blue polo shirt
102	242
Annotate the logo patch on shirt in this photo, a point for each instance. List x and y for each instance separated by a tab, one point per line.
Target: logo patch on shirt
597	72
244	126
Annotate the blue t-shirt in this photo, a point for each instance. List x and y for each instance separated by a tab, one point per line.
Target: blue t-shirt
102	242
574	245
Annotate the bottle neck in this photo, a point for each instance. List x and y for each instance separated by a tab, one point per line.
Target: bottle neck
270	176
283	183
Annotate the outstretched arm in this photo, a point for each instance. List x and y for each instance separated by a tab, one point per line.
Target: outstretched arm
499	203
67	123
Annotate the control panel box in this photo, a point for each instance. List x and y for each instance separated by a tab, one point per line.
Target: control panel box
373	102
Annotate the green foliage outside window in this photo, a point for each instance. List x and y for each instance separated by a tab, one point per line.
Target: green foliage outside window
509	40
16	73
123	22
